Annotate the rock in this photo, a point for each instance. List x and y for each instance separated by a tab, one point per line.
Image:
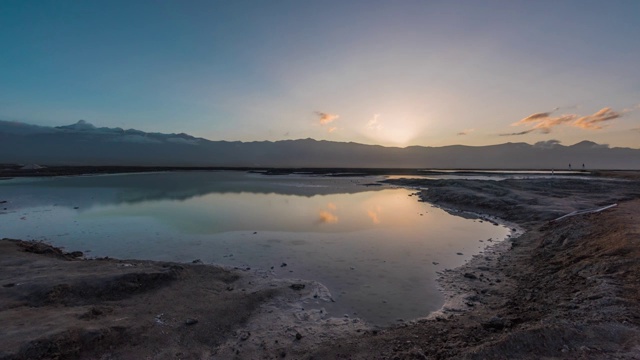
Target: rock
435	263
191	321
197	261
244	335
470	276
283	264
459	253
298	336
495	322
297	286
75	254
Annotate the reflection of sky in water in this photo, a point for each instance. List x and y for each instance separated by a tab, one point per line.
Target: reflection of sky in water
373	247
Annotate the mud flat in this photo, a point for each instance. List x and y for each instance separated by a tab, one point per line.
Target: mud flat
56	305
564	289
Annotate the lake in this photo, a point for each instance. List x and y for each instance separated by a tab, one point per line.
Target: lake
376	248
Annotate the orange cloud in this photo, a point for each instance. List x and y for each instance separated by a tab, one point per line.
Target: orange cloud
543	122
326	118
595	121
332	129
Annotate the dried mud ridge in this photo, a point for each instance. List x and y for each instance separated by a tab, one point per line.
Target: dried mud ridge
566	289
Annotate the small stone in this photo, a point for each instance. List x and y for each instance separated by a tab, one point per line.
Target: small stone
197	261
244	335
470	276
459	253
191	321
435	263
283	264
298	336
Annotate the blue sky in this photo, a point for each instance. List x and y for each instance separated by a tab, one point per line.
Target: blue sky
379	72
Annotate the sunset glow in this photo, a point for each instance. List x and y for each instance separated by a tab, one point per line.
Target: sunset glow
428	73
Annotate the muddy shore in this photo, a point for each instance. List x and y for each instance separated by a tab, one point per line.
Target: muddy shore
565	289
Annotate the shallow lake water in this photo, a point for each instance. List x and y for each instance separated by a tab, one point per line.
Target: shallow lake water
376	248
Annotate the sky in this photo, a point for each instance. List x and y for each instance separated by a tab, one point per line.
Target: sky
393	73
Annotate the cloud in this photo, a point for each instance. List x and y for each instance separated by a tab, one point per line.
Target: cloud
465	132
549	144
374	123
178	140
332	129
139	139
535	117
517	133
596	121
326	118
544	122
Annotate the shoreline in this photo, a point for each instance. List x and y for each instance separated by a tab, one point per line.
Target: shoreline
479	287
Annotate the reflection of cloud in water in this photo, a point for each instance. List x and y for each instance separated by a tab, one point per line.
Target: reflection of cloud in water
332	206
327	217
374	215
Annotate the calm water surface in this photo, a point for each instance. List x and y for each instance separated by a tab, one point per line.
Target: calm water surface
373	247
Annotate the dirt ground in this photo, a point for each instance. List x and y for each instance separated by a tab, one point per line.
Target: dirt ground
565	289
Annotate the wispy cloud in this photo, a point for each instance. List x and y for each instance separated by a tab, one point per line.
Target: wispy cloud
326	118
597	120
544	122
465	132
332	129
374	123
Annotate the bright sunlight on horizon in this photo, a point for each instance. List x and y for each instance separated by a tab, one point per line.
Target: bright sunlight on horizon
429	73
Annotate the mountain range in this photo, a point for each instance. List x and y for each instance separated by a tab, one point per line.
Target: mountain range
85	144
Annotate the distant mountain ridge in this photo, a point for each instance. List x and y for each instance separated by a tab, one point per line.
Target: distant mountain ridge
83	143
